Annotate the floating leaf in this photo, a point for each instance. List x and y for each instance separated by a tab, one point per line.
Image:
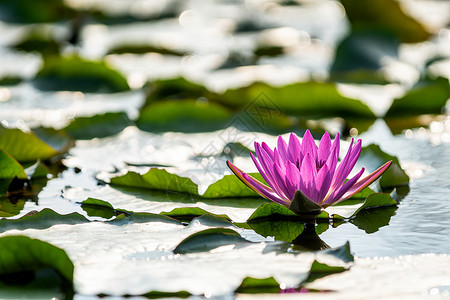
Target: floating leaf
158	295
252	285
46	218
183	116
10	169
98	126
188	213
213	220
20	254
320	270
231	186
343	253
175	88
10	208
209	239
157	179
427	97
281	230
360	56
271	210
39	11
371	220
308	99
98	208
141	217
387	15
76	74
24	146
372	157
143	49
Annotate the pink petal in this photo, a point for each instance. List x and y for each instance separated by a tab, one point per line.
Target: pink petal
342	170
309	146
366	181
308	172
280	178
294	149
293	178
324	149
337	195
282	148
256	185
323	182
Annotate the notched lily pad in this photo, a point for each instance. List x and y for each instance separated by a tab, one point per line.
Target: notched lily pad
98	126
76	74
209	239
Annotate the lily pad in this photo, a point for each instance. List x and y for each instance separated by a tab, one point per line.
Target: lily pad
209	239
11	208
372	157
427	97
188	213
359	57
307	99
24	146
143	49
252	285
76	74
98	208
175	89
230	186
19	254
371	220
183	116
281	230
271	210
40	11
9	170
319	270
141	217
99	126
46	218
157	179
387	15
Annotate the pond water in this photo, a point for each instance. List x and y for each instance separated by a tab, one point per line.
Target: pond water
214	44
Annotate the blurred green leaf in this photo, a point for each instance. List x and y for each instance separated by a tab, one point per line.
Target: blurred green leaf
10	208
10	168
308	99
372	157
107	124
43	219
178	88
36	11
183	116
209	239
427	97
24	146
141	217
359	57
385	15
320	270
76	74
143	48
252	285
20	254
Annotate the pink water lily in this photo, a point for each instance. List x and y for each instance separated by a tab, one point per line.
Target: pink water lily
304	177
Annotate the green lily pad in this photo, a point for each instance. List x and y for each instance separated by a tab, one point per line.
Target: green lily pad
39	39
141	217
343	253
209	239
76	74
271	210
188	213
371	220
320	270
387	15
372	157
175	89
98	208
10	167
157	179
10	80
252	285
19	254
85	128
39	11
213	220
164	295
231	186
43	219
359	57
24	146
427	97
183	116
10	208
308	99
143	49
281	230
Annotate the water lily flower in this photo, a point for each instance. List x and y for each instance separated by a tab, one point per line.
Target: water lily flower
304	177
